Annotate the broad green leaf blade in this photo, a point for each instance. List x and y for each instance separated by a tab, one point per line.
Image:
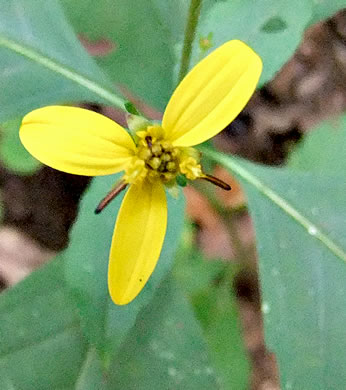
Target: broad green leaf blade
165	349
104	323
303	281
322	150
272	28
42	61
323	9
194	272
208	287
40	339
144	34
91	375
12	152
224	337
300	224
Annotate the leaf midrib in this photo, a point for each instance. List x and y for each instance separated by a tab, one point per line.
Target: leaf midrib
58	68
312	229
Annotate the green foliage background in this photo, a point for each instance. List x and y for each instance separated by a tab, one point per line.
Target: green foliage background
58	328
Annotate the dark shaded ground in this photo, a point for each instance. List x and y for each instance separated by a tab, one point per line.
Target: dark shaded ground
310	87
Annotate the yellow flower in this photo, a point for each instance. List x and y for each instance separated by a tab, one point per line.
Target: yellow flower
83	142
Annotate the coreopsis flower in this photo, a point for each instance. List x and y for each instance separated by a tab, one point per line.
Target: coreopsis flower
153	157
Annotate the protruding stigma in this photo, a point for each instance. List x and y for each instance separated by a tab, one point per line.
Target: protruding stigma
110	196
217	182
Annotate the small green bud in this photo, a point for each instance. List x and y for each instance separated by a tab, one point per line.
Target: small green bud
131	109
181	180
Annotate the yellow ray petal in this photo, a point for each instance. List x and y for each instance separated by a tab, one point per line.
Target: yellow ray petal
76	140
212	94
137	240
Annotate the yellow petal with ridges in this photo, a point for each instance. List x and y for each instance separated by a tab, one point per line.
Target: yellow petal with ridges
76	140
137	240
212	94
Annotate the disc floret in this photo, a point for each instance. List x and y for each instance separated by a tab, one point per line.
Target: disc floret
157	159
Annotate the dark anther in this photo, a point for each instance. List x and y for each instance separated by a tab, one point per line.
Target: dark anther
149	141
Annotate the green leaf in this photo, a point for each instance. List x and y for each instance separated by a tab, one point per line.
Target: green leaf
91	375
222	330
194	272
41	342
207	284
144	34
42	62
106	324
165	349
272	28
323	9
300	223
323	149
12	152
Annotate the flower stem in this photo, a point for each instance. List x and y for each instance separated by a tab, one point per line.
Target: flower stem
190	30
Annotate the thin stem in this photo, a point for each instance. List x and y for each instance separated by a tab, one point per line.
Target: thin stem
283	204
190	30
56	67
